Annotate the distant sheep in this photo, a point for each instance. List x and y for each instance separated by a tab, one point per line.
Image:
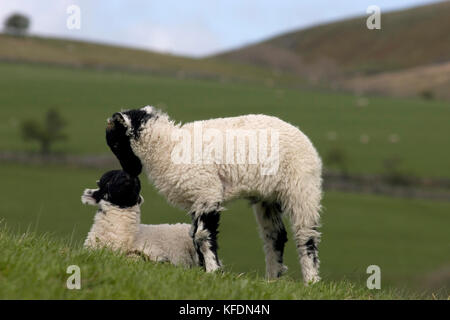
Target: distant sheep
117	224
147	138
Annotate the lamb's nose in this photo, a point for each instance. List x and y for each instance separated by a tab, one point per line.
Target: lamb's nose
115	118
109	124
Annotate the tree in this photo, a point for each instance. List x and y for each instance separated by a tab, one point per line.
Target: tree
46	133
17	24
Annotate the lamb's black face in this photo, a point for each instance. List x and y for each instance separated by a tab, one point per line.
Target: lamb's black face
122	127
116	187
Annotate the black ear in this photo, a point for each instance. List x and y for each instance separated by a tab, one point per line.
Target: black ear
117	117
118	121
136	120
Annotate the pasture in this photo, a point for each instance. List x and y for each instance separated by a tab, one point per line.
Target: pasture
408	239
361	127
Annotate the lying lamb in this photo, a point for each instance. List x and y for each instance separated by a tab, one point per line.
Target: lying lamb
117	223
147	138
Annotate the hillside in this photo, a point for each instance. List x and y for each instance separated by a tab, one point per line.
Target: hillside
34	267
427	81
73	53
408	39
409	56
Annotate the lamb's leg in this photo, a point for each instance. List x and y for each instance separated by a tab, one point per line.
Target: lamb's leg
307	239
274	236
304	208
204	234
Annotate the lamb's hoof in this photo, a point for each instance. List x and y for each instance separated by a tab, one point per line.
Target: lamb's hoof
213	270
277	273
284	269
312	280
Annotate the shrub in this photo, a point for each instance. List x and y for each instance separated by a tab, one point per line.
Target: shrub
427	94
46	133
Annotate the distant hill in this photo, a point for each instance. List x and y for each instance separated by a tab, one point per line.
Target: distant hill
409	56
408	39
102	56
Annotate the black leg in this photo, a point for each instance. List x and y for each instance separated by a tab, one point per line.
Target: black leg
274	236
204	234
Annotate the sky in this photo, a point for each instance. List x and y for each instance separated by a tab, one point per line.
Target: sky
193	28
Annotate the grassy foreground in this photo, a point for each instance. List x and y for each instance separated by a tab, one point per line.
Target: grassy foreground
407	238
34	267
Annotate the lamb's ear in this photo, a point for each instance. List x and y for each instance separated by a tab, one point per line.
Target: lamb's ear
88	197
120	119
140	200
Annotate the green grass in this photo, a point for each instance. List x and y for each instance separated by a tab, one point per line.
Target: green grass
86	98
34	267
408	239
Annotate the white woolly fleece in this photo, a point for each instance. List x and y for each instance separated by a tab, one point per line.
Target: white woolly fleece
192	186
120	229
202	188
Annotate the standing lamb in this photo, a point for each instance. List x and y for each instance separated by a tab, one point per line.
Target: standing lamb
117	224
147	137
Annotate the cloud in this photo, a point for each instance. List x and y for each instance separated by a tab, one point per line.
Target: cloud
190	39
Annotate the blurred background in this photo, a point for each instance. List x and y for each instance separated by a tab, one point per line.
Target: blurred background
375	102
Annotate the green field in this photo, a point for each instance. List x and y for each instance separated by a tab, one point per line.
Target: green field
86	98
408	239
